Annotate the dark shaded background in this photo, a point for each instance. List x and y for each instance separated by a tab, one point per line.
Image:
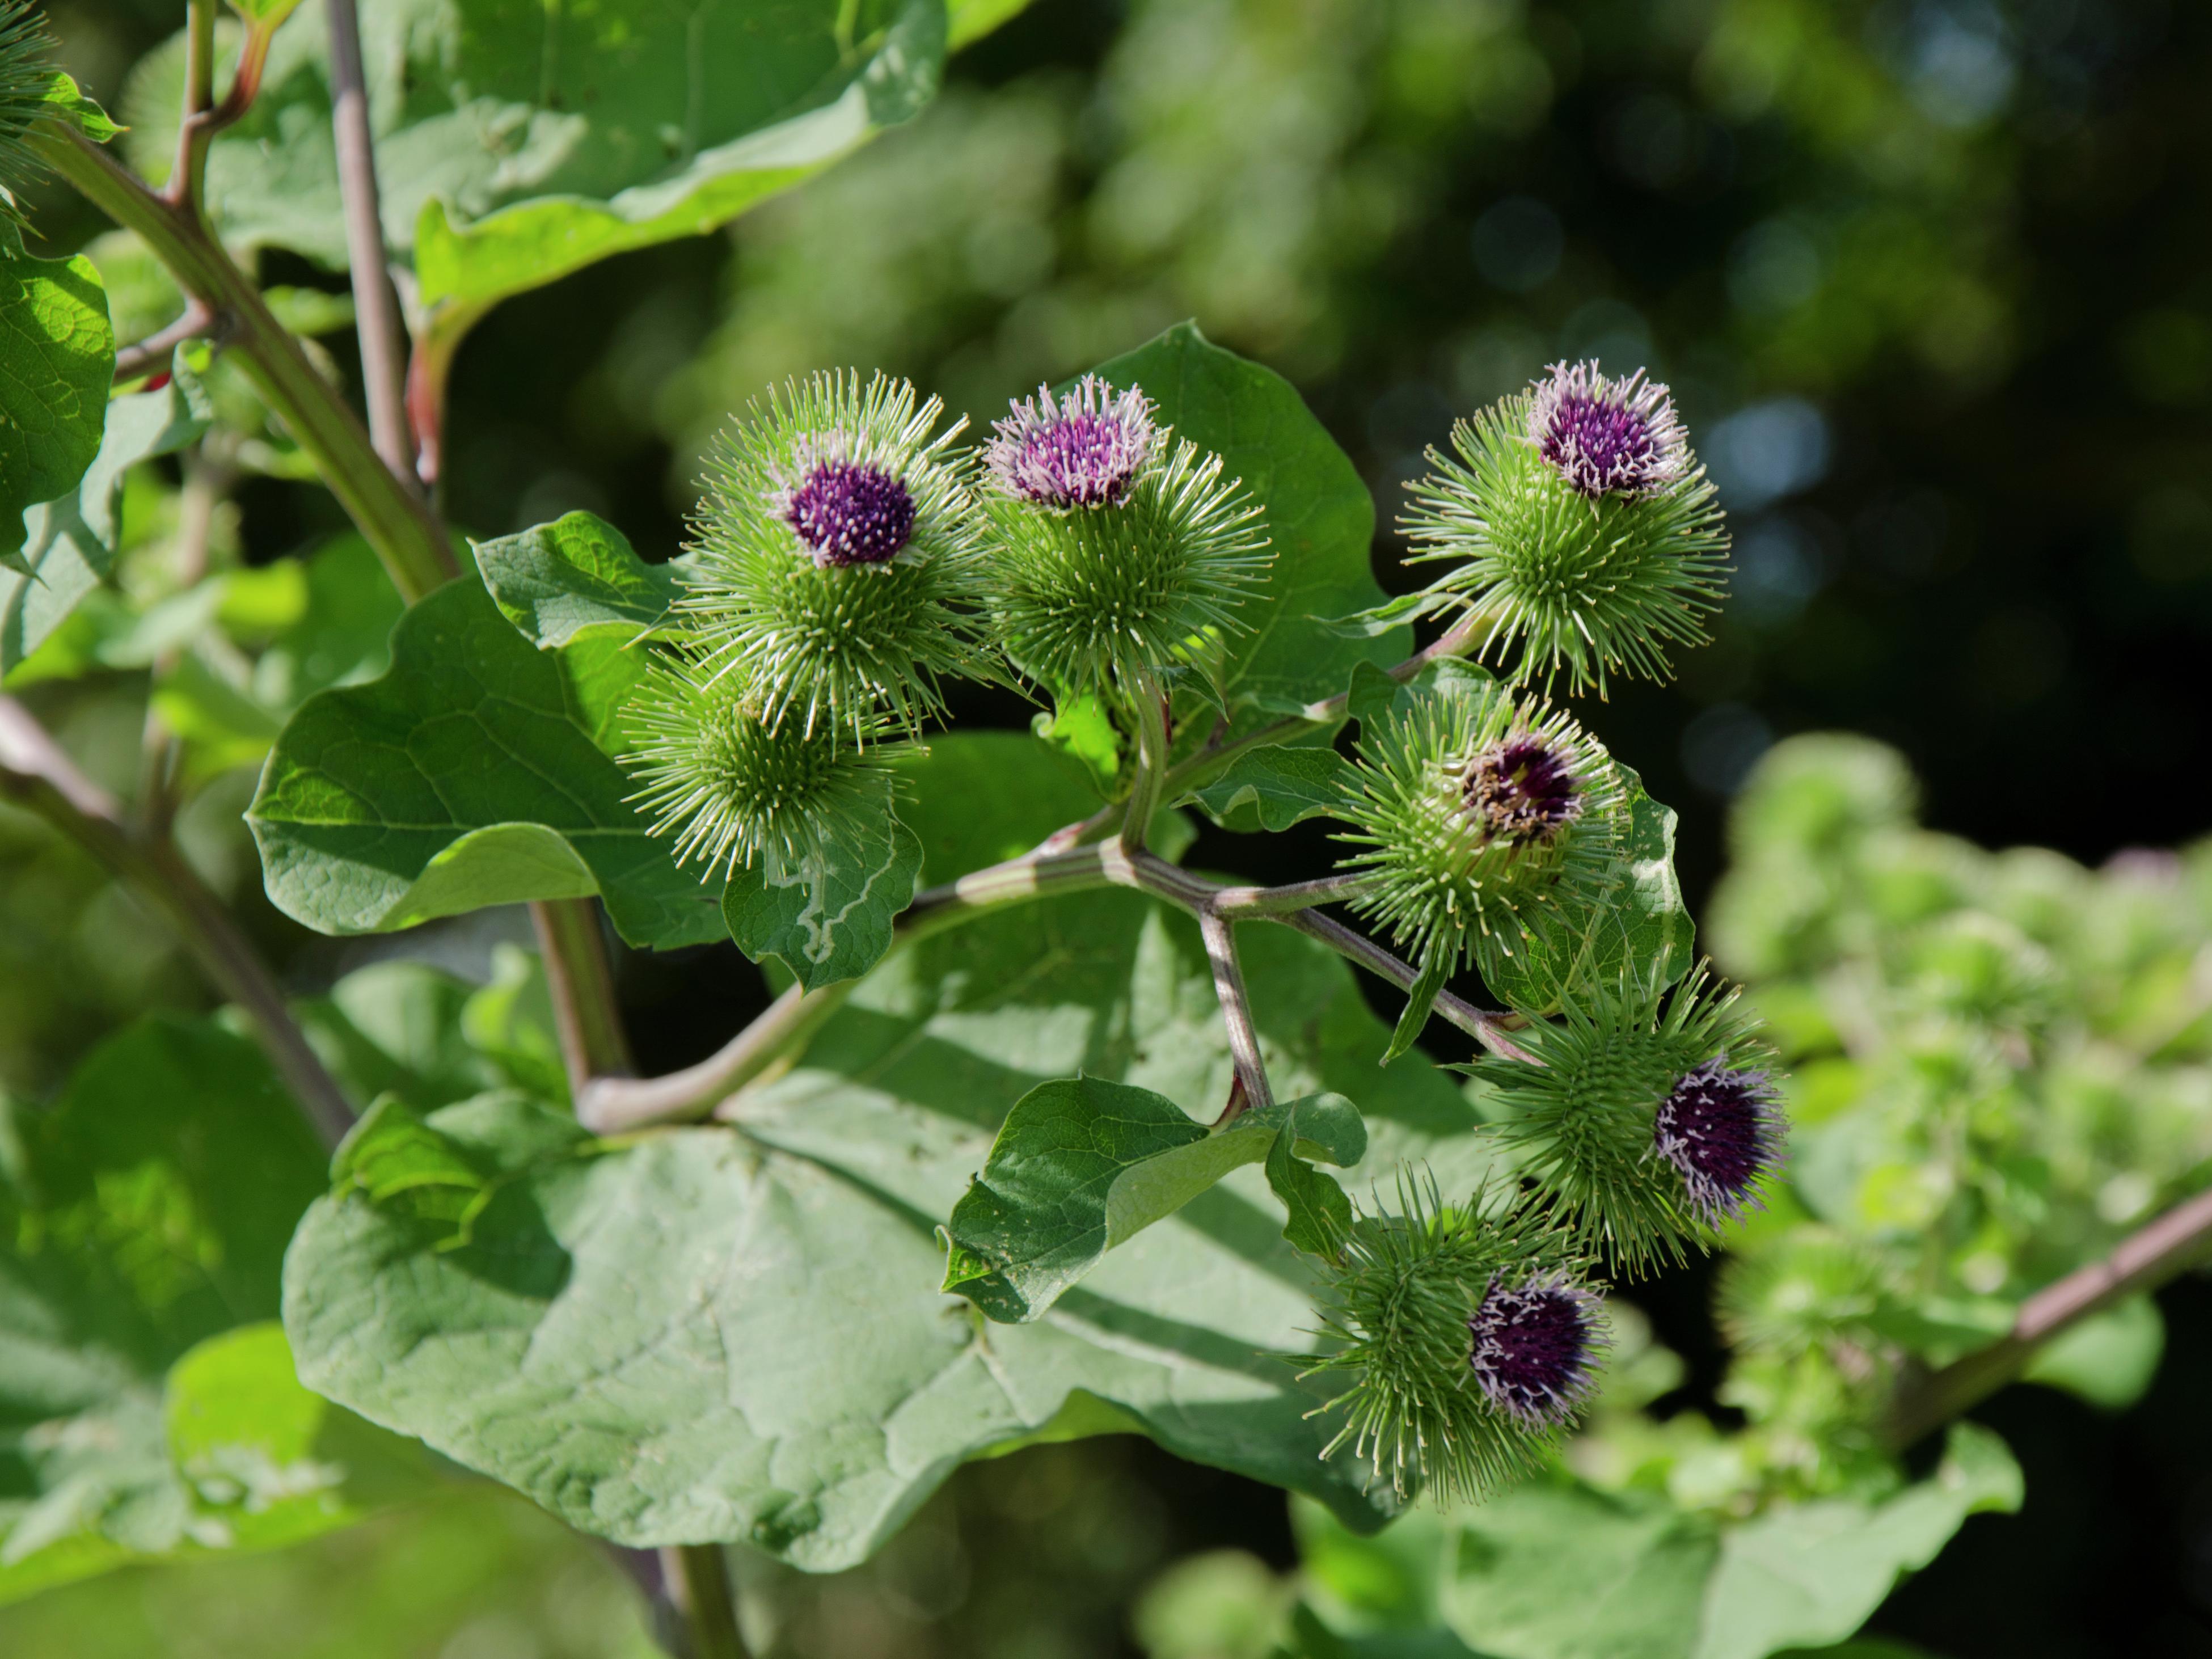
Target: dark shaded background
1933	283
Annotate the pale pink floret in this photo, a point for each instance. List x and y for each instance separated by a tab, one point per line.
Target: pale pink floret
1084	449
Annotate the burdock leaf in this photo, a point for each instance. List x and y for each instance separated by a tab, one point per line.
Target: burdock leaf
737	1331
476	771
143	1217
1273	788
1082	1166
70	542
1641	936
57	357
1420	999
515	145
575	577
832	921
1320	520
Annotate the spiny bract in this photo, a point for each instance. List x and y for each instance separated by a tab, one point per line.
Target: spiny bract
734	787
840	566
1104	572
1486	822
1471	1340
1580	527
1648	1118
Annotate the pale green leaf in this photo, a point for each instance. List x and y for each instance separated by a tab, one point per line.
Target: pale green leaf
736	1332
475	772
575	576
71	541
2109	1359
1320	1214
146	1218
1807	1574
57	357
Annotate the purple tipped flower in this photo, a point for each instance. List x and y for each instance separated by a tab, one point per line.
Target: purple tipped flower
848	513
1522	790
1722	1131
1608	437
1536	1348
1083	450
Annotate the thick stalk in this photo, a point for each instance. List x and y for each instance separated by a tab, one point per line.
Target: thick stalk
1220	936
1144	797
1295	896
393	518
375	305
698	1578
2143	1262
582	983
36	774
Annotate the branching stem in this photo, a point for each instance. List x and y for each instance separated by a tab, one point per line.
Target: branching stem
2143	1262
36	774
1220	936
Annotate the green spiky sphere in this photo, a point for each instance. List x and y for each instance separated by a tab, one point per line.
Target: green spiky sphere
1486	823
839	568
26	65
1590	584
1403	1303
732	788
1090	599
1585	1118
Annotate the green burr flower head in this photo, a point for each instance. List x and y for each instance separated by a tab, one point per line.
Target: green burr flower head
26	65
1649	1119
733	787
1470	1338
1099	581
1486	822
840	567
1579	525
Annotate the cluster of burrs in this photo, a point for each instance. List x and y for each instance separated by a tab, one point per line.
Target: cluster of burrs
851	561
1640	1119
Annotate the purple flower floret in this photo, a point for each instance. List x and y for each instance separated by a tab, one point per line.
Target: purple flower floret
849	512
1083	450
1535	1349
1522	790
1722	1131
1608	437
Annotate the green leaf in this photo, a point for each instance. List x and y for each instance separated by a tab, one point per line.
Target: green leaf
832	922
1556	1570
1420	999
1319	519
2109	1359
1273	788
971	20
1374	693
475	772
1809	1574
71	541
56	358
66	102
147	1217
1082	1166
515	145
575	577
736	1332
1320	1214
1643	932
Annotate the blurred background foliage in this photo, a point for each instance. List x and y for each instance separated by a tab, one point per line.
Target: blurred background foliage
1932	280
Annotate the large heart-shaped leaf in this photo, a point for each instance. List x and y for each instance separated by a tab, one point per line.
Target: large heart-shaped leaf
518	143
737	1333
1320	520
142	1412
476	771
